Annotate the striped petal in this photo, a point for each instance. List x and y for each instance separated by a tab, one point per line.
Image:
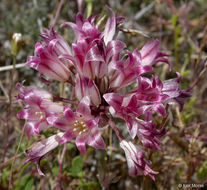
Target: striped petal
149	52
110	28
95	140
68	135
81	143
84	107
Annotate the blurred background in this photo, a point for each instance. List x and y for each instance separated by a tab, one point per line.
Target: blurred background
181	28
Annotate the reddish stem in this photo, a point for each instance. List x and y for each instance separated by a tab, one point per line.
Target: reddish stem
60	167
199	76
57	98
116	130
57	12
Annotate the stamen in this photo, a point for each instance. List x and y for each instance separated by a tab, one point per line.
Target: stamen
80	127
80	133
40	114
84	130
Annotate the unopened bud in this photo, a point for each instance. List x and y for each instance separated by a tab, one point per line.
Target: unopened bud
16	43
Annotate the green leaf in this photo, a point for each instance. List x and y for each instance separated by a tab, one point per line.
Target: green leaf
186	72
177	31
89	186
30	184
27	183
5	174
188	116
55	170
77	166
174	20
191	103
202	171
25	179
70	146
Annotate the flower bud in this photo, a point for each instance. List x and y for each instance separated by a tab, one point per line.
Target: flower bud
16	43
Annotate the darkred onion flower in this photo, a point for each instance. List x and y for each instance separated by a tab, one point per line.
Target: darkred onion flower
107	82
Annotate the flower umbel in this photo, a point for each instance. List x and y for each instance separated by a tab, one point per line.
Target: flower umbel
107	81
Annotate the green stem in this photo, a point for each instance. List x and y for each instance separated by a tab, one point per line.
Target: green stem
12	166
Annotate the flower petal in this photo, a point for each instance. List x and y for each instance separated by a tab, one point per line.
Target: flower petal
69	114
113	49
110	28
114	100
95	140
149	52
60	123
30	114
136	160
91	123
80	143
44	146
87	87
68	135
84	107
38	151
29	129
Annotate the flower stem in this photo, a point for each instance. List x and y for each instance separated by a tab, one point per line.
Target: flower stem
116	130
57	12
11	171
9	106
56	98
60	167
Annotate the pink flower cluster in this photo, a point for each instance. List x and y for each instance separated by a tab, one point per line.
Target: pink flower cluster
98	67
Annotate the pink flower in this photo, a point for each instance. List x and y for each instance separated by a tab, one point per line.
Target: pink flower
139	62
146	131
94	50
39	150
100	77
55	43
96	59
149	95
31	95
38	106
81	125
152	93
124	73
176	96
137	164
150	54
87	87
84	28
49	56
127	109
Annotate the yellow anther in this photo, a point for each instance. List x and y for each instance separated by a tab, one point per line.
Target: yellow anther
41	115
80	133
84	130
80	126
